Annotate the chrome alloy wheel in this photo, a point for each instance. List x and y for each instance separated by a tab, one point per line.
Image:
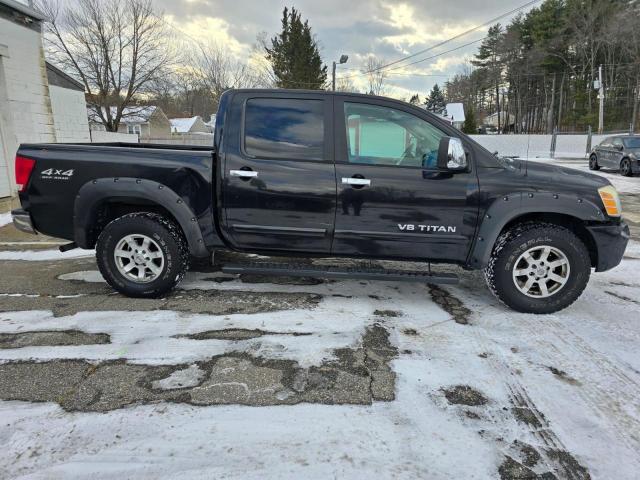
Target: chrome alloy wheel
541	271
139	258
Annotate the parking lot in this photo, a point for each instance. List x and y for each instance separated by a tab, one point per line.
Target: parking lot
251	376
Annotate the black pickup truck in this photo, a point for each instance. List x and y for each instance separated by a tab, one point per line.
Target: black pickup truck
319	174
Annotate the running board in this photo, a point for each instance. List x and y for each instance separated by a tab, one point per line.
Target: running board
340	273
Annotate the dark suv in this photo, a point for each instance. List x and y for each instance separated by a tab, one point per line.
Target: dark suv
621	153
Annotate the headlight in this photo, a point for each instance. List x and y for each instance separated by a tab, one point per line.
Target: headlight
611	200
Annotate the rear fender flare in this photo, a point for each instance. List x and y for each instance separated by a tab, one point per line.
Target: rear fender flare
509	207
93	193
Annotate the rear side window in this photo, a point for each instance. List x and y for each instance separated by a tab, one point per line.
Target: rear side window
284	128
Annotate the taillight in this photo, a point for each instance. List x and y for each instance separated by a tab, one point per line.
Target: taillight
24	167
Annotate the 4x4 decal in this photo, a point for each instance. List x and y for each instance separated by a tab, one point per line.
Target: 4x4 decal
56	174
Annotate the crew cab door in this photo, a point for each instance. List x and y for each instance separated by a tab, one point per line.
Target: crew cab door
392	200
279	187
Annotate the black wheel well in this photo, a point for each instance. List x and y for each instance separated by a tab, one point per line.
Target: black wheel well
110	209
576	225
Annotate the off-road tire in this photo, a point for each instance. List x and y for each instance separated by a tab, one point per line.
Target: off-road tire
517	240
625	168
164	232
593	162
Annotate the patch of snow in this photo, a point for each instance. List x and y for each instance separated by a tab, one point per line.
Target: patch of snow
5	219
185	378
90	276
41	255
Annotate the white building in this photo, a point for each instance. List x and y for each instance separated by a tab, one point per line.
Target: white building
211	124
38	102
189	125
455	112
144	121
25	106
69	107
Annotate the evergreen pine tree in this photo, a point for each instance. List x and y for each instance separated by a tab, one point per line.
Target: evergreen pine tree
469	127
436	102
294	54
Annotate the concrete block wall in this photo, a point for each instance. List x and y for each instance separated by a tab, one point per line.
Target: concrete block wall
69	115
25	106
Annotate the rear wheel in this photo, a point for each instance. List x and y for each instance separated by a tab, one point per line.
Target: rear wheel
142	255
593	162
538	268
625	167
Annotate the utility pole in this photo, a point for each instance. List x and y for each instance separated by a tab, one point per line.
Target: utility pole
601	97
636	100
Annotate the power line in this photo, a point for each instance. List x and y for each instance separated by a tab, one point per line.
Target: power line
460	35
421	60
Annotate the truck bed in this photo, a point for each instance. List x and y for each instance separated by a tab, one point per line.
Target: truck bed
61	170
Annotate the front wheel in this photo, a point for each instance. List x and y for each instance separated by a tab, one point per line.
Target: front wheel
593	162
142	255
538	268
625	167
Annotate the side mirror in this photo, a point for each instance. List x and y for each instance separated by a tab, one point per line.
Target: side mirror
451	155
619	147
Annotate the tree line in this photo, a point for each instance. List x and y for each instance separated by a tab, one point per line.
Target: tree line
537	73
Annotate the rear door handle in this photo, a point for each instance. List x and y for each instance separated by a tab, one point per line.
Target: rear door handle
243	173
356	181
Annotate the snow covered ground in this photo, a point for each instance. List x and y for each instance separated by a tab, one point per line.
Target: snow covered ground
258	378
557	393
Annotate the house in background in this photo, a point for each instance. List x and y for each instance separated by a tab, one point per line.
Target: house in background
25	107
211	124
455	112
68	106
507	121
189	125
144	121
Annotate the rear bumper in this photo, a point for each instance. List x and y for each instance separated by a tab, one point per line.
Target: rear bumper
611	242
22	221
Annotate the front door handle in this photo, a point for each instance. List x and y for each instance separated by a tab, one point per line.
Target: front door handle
243	173
356	181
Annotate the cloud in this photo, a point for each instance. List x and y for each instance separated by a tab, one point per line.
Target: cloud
385	28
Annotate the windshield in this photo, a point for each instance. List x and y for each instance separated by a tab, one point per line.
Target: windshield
633	142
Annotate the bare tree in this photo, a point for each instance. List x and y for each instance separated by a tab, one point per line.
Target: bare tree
376	75
346	85
219	71
115	47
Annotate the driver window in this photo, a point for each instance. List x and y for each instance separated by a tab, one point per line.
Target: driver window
386	136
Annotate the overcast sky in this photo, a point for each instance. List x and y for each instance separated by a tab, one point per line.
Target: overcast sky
385	28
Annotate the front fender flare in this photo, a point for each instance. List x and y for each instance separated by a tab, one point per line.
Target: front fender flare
509	207
93	193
